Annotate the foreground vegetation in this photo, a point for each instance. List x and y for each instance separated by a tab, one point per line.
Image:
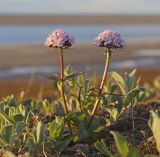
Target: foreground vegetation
40	127
118	118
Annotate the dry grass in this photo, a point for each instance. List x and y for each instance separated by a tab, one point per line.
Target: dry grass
38	88
34	89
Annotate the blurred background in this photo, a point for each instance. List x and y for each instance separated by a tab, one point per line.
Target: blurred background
25	25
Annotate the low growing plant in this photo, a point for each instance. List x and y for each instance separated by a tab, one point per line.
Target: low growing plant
82	114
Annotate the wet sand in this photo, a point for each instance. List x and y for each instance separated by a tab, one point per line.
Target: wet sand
86	54
80	19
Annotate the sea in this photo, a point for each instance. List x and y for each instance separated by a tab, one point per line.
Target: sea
37	34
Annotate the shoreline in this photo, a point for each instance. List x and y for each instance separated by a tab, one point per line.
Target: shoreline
78	19
87	54
13	56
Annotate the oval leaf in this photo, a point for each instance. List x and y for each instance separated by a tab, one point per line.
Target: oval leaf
121	144
131	95
119	80
154	124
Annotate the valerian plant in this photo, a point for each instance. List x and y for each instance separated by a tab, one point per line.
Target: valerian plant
82	114
60	40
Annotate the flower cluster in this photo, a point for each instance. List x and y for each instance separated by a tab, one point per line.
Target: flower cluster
59	39
109	39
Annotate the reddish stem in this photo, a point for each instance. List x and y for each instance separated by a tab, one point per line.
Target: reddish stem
108	55
62	87
62	81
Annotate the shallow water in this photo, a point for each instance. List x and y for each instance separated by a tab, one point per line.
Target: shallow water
32	34
141	59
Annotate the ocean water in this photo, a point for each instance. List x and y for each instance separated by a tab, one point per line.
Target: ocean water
34	34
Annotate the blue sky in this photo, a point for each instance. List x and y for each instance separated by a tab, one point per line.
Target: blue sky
79	6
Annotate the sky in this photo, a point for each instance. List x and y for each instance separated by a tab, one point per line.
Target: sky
79	6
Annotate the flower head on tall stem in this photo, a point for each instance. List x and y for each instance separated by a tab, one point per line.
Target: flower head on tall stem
59	39
109	40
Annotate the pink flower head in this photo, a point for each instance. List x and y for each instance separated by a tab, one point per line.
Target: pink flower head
109	39
59	39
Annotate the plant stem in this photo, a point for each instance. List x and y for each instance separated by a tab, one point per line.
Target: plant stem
44	153
62	87
133	123
62	81
108	55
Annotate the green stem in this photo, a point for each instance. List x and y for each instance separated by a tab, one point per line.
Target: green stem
108	55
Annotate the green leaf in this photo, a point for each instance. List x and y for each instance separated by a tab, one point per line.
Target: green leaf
56	127
6	133
7	118
130	81
121	144
110	87
40	133
99	129
62	144
131	95
86	86
19	127
118	102
119	80
80	80
151	155
76	118
154	124
102	148
68	70
82	135
17	117
133	152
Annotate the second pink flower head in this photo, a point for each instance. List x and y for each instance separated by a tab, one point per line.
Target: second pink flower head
109	39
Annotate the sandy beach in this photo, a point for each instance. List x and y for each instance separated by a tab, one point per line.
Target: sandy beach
79	19
35	55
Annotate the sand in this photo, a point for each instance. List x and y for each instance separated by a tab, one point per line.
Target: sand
87	54
77	19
